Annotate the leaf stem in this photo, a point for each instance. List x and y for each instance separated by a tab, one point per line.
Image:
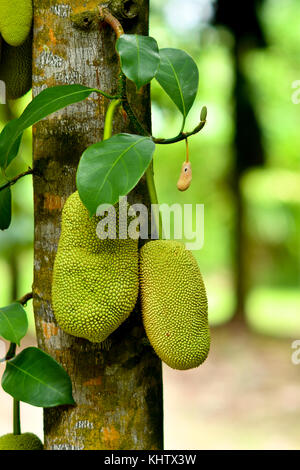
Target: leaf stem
109	119
110	97
16	418
16	178
183	124
11	352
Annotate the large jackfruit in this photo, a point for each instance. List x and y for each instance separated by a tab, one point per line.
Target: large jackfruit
15	20
95	282
16	68
26	441
174	304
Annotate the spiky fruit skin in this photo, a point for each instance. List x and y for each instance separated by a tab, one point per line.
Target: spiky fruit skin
16	68
15	20
95	282
174	304
26	441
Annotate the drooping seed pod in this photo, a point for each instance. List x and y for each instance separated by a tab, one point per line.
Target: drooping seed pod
185	177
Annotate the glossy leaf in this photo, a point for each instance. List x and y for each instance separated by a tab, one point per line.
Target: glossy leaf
112	168
13	322
178	75
5	208
36	378
45	103
139	57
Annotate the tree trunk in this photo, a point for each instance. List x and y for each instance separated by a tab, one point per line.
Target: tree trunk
118	392
248	154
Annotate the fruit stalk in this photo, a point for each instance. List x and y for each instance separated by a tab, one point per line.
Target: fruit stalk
16	418
108	125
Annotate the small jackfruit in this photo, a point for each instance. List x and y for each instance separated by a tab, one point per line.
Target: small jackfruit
174	304
15	20
95	282
16	68
26	441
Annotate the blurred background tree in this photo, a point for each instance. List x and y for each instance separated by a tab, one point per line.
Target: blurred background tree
246	173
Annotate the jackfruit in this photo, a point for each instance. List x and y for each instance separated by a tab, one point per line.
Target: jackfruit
16	68
174	304
15	20
95	282
26	441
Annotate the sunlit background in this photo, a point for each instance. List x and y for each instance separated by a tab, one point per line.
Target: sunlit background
246	173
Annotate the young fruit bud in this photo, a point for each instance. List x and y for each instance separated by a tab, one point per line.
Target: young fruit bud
203	114
185	177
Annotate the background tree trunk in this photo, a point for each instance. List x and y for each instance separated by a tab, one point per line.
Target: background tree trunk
118	392
248	146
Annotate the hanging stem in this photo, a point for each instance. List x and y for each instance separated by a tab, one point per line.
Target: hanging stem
154	200
16	404
187	150
109	118
17	425
10	354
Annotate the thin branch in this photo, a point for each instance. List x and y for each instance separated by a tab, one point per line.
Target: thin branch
105	15
181	135
16	178
23	300
128	109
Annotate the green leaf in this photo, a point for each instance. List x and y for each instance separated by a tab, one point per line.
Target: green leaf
13	322
47	102
7	135
36	378
112	168
178	75
139	57
5	208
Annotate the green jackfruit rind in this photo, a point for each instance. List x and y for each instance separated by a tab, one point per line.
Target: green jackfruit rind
15	20
26	441
95	282
174	304
16	68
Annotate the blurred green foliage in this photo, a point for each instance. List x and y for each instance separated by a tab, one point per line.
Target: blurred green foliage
271	194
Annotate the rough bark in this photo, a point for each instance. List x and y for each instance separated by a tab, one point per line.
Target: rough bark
118	392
